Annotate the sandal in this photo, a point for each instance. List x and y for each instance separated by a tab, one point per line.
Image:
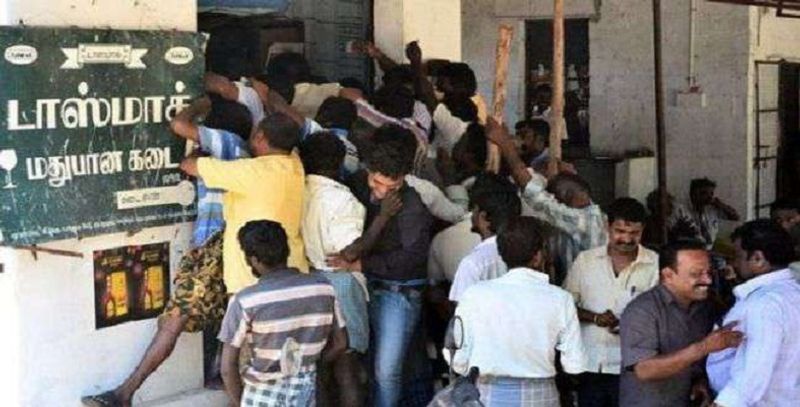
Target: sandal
107	399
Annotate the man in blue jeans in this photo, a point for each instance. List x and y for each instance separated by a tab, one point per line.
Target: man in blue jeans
396	264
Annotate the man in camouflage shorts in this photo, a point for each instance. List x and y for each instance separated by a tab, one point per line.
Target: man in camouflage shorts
199	296
198	302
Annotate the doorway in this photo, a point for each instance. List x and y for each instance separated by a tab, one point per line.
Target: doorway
777	133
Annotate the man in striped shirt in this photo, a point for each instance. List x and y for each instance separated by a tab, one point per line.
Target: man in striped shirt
289	321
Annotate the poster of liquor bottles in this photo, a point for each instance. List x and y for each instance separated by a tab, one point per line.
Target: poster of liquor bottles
130	283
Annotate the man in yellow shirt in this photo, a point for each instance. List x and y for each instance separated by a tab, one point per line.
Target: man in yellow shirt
268	186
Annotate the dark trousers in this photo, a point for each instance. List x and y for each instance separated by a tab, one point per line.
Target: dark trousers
598	390
342	383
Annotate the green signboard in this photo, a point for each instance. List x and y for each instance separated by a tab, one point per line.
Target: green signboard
85	144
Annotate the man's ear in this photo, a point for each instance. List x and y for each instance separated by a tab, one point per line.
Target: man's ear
252	261
667	273
758	260
538	260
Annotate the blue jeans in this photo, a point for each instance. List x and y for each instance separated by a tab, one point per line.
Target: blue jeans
394	316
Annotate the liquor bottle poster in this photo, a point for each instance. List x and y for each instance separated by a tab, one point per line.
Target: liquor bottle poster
130	283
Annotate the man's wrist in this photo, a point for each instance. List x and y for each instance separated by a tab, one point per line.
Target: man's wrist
699	349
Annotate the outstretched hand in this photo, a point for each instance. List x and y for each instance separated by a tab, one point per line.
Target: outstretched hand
414	52
722	338
497	133
261	88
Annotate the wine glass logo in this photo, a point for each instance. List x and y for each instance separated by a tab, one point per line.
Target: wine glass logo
8	161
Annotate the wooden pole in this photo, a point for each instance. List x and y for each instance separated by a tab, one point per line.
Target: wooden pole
557	103
499	101
660	133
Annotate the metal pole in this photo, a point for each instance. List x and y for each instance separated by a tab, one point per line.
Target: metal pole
660	134
557	103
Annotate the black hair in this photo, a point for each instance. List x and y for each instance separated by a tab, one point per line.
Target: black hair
668	256
541	128
323	152
229	116
462	107
461	77
399	75
355	83
281	84
282	132
766	236
520	241
786	204
653	200
397	137
266	241
565	186
391	154
290	65
497	197
395	101
627	209
700	183
474	142
337	113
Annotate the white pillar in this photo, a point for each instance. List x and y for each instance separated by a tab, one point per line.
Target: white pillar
50	351
436	24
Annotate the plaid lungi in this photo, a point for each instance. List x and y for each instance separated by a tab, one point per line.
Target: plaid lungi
200	292
508	392
292	391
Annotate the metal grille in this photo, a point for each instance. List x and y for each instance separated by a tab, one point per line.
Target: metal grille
780	4
785	8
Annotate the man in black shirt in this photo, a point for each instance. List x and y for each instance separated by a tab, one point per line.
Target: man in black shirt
396	263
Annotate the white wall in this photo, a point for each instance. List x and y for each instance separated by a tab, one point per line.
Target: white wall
479	30
54	353
436	24
121	15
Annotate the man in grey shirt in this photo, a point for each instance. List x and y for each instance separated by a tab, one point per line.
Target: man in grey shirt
665	333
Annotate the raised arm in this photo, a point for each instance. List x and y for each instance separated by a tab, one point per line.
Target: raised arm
276	103
384	62
220	85
184	123
422	86
498	134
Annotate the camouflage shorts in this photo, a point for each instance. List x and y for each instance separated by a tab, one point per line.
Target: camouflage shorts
200	292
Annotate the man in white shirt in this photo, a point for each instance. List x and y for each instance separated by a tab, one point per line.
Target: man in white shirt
448	248
511	327
603	281
494	203
333	220
763	371
705	209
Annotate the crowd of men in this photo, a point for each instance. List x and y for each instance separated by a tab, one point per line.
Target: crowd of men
339	234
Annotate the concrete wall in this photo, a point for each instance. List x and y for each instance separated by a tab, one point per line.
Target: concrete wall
479	30
50	350
436	24
621	68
